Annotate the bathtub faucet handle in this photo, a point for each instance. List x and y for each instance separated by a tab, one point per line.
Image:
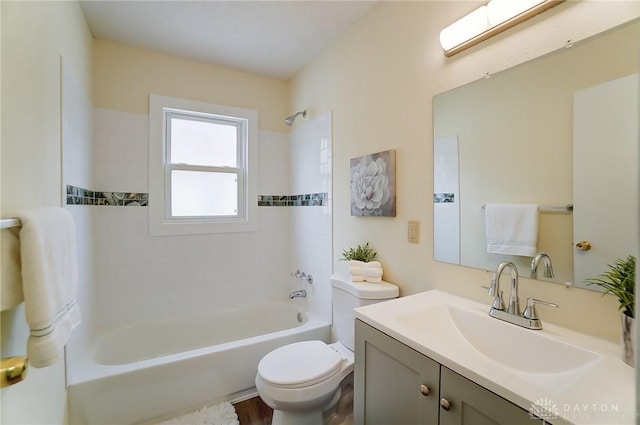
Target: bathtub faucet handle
309	279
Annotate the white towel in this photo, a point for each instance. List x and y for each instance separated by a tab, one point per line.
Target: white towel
10	278
49	280
373	272
357	273
511	229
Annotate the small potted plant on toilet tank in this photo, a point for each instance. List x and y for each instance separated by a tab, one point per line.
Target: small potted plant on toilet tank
620	280
362	266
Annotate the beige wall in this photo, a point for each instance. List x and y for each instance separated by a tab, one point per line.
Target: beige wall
34	37
379	81
125	76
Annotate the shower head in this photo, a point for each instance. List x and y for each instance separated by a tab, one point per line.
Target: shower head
289	120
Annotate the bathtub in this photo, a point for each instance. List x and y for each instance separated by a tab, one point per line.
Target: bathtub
159	370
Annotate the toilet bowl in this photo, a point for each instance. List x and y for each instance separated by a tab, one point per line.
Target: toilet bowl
300	381
303	380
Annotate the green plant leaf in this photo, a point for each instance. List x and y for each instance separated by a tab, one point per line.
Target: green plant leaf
620	281
361	253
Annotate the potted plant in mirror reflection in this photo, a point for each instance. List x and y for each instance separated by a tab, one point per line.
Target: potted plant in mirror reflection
620	281
362	266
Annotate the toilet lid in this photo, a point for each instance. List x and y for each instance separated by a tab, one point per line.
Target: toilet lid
299	364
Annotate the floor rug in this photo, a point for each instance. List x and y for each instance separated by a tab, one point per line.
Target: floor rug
220	414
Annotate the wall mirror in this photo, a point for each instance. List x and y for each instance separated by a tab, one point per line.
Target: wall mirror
510	139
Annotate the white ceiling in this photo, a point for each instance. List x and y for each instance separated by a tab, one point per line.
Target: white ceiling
272	38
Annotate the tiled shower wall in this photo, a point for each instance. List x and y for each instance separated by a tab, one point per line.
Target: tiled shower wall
310	229
141	278
77	154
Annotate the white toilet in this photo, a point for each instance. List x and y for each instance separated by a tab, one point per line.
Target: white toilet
300	381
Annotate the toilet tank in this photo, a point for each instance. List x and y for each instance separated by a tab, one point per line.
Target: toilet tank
347	295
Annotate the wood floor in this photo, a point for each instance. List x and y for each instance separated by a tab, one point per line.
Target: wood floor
253	412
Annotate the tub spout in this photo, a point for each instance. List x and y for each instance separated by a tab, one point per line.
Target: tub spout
298	294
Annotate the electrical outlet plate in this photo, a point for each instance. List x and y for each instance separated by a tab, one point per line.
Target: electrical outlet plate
413	231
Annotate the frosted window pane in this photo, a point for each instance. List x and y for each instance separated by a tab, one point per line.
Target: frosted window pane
203	143
197	194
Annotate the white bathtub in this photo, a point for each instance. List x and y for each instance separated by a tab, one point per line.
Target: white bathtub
155	370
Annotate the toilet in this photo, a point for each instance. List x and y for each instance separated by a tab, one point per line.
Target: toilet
302	381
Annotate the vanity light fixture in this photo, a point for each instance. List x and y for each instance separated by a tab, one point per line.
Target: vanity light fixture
489	20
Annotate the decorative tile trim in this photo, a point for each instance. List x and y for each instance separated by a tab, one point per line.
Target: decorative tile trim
306	200
79	196
441	198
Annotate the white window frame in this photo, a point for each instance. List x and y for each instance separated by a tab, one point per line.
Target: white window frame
160	221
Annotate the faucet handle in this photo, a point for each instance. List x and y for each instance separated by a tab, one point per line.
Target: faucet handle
498	300
492	289
530	311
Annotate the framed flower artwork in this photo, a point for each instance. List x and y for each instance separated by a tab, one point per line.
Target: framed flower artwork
373	184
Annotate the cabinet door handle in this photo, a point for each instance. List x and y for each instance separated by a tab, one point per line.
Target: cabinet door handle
424	390
445	404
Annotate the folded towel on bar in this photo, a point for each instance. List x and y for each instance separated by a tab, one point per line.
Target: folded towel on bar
511	229
49	281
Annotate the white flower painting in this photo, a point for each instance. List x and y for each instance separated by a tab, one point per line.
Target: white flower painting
373	191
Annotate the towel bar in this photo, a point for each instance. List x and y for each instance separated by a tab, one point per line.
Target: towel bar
5	223
552	208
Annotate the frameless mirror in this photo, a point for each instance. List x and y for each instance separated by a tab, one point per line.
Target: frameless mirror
510	139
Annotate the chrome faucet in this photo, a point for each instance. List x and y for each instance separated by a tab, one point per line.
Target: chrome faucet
548	267
529	319
513	306
298	294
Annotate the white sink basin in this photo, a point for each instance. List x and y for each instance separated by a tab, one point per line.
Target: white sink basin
534	356
519	348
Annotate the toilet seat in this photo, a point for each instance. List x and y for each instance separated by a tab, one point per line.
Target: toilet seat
300	365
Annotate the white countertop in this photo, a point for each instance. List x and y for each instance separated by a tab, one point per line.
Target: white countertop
602	392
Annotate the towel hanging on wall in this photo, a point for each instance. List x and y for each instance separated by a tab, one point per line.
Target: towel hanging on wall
49	280
10	276
512	229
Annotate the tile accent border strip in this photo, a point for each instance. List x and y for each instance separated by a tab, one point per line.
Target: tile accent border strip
306	200
442	198
79	196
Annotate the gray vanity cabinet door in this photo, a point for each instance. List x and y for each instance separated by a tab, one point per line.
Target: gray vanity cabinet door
471	404
394	384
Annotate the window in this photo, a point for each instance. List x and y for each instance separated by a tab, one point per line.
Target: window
201	167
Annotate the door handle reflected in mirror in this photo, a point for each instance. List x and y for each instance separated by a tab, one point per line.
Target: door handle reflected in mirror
583	246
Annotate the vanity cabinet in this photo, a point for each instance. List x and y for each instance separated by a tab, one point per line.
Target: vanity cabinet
396	385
